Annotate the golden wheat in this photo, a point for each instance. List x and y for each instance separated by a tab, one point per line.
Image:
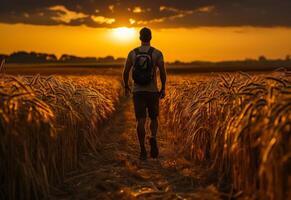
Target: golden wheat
241	123
45	125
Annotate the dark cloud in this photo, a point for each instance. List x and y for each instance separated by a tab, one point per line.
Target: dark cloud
157	13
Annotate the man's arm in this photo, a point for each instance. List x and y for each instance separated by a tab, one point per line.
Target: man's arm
163	75
126	71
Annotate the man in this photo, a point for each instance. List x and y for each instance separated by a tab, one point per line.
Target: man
144	62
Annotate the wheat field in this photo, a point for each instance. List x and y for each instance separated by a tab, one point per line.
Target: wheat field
241	123
46	123
238	124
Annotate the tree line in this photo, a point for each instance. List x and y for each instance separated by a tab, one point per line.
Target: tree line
34	57
260	63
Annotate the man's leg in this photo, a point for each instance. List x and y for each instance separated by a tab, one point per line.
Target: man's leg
141	136
154	126
153	108
153	140
140	114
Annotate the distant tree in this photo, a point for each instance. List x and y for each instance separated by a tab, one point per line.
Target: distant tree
177	62
106	59
287	58
20	57
32	57
120	60
69	58
39	57
89	59
51	58
64	58
262	59
76	59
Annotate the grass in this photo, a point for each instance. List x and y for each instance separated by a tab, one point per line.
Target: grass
46	123
240	123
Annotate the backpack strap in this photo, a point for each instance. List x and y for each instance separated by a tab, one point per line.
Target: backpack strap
136	51
150	51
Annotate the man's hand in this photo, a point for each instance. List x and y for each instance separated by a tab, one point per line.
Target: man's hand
127	91
162	93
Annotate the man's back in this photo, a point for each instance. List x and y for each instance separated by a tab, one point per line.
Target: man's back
157	58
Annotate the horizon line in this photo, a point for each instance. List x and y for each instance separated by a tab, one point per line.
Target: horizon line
58	56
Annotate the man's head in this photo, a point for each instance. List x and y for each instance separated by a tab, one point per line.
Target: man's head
145	35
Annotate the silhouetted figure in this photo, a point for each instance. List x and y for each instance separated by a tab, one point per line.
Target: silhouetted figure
144	62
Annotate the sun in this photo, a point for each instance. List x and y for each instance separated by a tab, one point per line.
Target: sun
124	34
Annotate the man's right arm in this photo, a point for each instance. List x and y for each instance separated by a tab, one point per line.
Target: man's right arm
163	74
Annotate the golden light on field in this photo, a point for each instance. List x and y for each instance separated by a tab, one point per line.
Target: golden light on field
124	34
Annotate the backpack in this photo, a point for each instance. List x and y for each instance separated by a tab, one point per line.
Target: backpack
142	72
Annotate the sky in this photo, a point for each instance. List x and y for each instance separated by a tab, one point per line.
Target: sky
184	30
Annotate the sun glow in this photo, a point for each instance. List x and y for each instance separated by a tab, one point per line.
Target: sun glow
204	43
124	34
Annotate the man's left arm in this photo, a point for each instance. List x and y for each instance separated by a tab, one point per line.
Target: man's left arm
126	71
163	75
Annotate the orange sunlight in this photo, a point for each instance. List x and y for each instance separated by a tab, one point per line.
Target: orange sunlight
124	34
186	44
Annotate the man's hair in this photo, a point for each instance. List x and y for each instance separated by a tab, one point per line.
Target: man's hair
145	34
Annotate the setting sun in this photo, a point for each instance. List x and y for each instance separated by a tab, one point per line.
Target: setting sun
124	34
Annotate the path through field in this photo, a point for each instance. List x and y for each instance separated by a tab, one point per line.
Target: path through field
116	172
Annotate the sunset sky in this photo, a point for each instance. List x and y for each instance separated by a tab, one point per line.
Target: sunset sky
185	30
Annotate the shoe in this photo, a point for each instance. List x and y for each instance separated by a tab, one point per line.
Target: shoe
143	155
154	148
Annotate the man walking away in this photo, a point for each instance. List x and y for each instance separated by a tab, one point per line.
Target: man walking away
144	62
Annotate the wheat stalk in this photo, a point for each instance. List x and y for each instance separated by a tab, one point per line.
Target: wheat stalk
2	69
46	123
239	122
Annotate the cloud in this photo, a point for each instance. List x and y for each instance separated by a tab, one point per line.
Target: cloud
206	9
175	13
102	20
111	8
138	9
65	15
158	13
132	21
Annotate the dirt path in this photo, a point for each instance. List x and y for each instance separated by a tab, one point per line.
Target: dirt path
117	173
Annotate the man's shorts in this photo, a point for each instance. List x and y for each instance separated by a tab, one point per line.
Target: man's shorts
146	101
